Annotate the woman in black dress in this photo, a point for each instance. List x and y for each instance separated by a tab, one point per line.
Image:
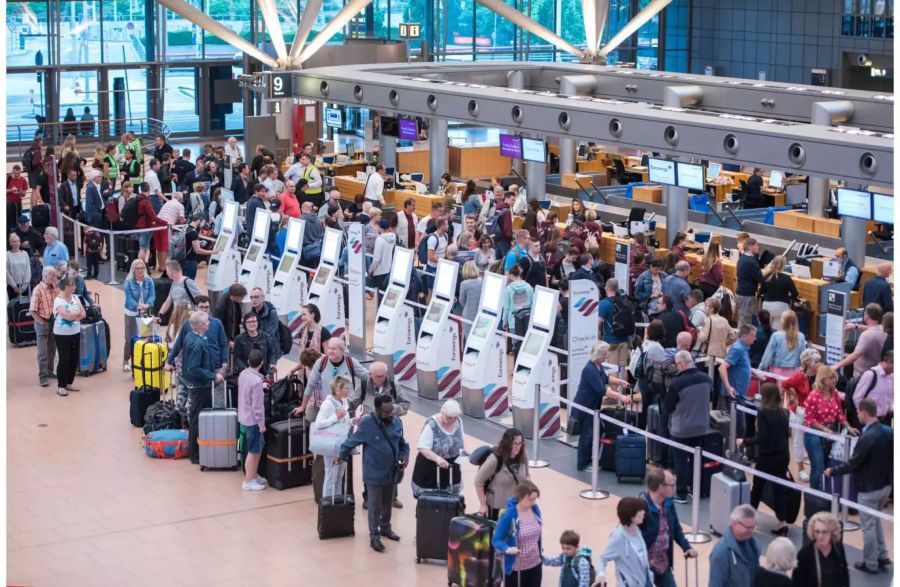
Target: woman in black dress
822	562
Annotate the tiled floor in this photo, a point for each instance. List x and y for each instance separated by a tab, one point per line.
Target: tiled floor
86	506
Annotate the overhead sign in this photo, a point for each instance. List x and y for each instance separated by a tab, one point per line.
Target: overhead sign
410	30
280	86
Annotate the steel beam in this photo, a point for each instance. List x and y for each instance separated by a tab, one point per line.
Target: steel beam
200	19
273	27
351	9
639	20
797	148
602	14
572	85
589	14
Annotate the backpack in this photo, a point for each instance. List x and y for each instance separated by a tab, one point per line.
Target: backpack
623	322
112	209
688	327
532	272
129	215
28	160
285	338
569	574
178	245
94	241
196	202
422	251
659	375
849	405
492	224
324	361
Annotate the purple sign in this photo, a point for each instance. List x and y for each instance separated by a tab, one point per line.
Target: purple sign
409	129
511	146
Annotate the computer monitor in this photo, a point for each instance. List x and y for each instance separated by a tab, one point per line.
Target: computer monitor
534	150
661	171
333	117
644	160
417	177
714	169
854	203
776	179
582	151
351	150
390	171
691	176
328	159
883	208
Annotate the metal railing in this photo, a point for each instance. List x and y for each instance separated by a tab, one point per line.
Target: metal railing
20	136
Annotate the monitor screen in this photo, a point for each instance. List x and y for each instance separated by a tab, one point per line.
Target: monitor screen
286	260
444	284
409	129
543	309
221	243
533	343
776	179
714	169
225	195
333	117
534	150
417	177
390	299
390	127
253	253
295	234
322	275
662	171
511	146
328	159
435	312
582	151
854	203
491	296
389	172
261	226
402	263
691	176
331	245
230	215
482	328
883	208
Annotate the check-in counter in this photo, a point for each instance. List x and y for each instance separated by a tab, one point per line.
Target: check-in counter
350	186
647	193
590	165
800	220
413	160
478	162
584	180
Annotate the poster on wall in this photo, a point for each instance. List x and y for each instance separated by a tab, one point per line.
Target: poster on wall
584	298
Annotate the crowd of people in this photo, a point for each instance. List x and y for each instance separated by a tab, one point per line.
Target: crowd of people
657	365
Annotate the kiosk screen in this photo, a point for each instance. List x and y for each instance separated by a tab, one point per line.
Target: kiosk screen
322	275
543	309
294	235
228	222
491	297
435	312
444	285
400	271
286	262
221	243
533	343
253	252
390	300
261	226
330	246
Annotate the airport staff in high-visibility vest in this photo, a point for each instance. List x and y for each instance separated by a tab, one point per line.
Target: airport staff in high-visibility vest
314	180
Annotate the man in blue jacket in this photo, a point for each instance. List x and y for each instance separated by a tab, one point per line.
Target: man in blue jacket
734	561
878	289
385	454
198	374
661	528
215	336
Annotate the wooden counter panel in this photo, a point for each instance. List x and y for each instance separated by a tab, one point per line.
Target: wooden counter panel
413	161
477	162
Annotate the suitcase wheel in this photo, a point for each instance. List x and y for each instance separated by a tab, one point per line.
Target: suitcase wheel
202	468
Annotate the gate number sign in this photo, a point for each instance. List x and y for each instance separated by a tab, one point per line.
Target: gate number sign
280	85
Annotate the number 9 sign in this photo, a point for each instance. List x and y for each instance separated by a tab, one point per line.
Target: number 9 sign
280	85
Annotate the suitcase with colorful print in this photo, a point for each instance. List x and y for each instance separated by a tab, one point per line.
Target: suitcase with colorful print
470	556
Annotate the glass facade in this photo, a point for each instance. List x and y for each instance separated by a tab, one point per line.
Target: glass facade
868	18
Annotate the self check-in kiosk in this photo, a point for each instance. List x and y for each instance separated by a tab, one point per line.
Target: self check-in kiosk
437	351
289	285
395	332
485	373
324	291
225	262
256	270
536	365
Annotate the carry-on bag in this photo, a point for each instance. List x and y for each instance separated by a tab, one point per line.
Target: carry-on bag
714	443
470	557
141	399
20	323
631	457
434	510
148	361
167	444
218	437
656	451
163	415
288	460
336	514
93	349
726	493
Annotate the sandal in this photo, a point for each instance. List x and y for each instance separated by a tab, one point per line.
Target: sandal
62	392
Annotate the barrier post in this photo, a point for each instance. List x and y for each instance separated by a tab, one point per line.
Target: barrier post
594	493
732	425
696	536
112	259
74	239
835	504
849	526
537	462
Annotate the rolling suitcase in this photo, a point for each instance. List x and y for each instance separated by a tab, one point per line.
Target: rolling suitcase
610	433
631	456
336	515
713	442
725	495
434	511
318	476
720	420
20	323
218	437
470	556
141	399
288	460
93	349
148	359
656	451
161	288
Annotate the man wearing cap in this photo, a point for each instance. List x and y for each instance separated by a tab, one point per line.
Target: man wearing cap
31	239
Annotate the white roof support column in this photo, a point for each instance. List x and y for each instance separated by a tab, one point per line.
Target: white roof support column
310	14
351	9
639	20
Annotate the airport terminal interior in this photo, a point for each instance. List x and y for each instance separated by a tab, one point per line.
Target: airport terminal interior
476	293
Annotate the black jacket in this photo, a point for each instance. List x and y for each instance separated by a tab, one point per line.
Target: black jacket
873	459
229	313
805	573
749	275
779	288
239	187
766	578
772	430
878	291
673	324
182	168
243	344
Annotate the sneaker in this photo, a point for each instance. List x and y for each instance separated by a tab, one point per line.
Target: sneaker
253	486
804	476
398	505
861	566
682	499
261	480
44	383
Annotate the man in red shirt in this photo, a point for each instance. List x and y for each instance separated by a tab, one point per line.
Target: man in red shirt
147	218
16	186
290	206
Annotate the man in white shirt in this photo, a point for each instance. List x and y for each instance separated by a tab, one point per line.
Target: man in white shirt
152	178
437	211
374	191
295	171
233	151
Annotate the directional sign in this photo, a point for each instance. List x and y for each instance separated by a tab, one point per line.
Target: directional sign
410	30
280	86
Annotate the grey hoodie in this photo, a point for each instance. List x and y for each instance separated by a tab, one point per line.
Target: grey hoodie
314	229
383	256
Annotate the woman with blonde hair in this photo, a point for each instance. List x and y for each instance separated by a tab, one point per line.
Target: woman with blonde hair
715	334
824	412
783	350
781	559
778	290
711	272
180	315
822	561
796	389
140	295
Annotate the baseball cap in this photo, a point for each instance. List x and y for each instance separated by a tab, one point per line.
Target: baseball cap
24	219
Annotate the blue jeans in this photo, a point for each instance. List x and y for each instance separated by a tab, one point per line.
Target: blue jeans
332	483
189	268
816	454
666	579
501	248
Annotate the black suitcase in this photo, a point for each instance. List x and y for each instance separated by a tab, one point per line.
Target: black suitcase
610	432
21	324
141	399
127	250
713	442
434	510
288	462
161	287
336	514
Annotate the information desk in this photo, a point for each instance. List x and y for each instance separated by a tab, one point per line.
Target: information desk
413	160
350	186
477	162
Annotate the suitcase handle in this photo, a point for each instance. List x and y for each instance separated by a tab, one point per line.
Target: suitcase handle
438	478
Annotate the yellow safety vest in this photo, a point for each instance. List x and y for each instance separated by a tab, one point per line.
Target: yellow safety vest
306	175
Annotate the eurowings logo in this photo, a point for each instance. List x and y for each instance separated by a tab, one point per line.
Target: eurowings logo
586	306
355	244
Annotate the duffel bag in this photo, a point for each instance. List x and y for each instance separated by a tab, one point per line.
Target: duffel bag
167	444
162	415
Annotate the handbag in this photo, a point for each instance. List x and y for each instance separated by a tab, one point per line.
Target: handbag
327	441
398	470
146	326
827	443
